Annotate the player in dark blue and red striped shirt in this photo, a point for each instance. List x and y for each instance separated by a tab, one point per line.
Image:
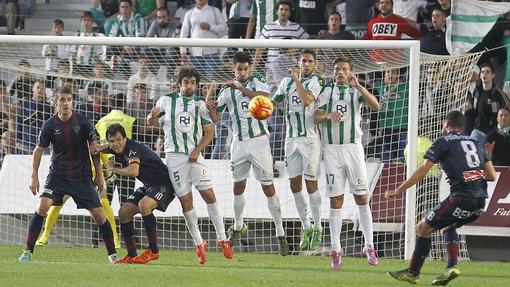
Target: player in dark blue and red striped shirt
70	134
468	168
136	160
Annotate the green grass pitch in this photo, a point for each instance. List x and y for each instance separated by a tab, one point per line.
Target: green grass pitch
54	267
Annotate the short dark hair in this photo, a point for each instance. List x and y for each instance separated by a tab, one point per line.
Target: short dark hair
24	62
64	90
335	13
390	1
343	59
113	129
310	52
58	22
96	86
118	101
242	57
505	108
439	9
285	2
163	9
87	14
489	66
141	86
187	72
127	1
455	119
64	63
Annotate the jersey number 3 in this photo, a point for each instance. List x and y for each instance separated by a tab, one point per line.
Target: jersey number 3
472	158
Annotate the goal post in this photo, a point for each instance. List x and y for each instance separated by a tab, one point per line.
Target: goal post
387	132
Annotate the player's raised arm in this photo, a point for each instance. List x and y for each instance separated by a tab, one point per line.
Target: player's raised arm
418	175
369	98
212	104
152	117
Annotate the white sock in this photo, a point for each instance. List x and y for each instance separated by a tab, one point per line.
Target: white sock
315	207
191	219
302	209
365	222
335	227
273	203
217	220
239	204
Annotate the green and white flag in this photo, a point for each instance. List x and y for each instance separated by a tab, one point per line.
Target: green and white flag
469	22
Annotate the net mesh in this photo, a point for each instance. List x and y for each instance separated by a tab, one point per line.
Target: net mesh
142	74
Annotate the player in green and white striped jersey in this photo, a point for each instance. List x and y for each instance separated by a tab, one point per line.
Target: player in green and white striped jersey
250	145
183	117
299	92
339	112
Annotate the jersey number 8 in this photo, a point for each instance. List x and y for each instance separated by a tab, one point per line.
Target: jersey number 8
472	158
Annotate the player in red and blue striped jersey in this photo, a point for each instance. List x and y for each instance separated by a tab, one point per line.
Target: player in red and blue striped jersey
70	133
468	168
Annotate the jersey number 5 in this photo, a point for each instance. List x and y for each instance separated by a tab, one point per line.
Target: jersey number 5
472	158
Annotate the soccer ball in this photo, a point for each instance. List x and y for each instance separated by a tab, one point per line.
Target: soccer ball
260	107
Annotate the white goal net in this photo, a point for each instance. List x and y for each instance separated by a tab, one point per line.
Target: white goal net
105	71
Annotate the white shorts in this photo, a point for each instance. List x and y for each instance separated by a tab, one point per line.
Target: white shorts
256	152
343	162
184	173
302	156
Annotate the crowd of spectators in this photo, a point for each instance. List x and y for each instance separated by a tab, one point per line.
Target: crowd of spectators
136	74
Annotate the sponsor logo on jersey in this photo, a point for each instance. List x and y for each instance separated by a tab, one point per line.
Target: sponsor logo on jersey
243	103
295	103
342	107
185	122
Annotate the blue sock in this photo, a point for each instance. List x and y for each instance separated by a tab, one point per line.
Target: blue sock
149	222
451	241
34	229
421	251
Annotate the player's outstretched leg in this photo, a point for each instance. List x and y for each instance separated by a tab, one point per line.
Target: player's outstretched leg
191	219
335	226
448	275
451	240
421	251
273	204
200	251
34	229
365	222
152	253
128	232
336	259
108	211
302	209
217	220
234	235
405	275
306	238
315	208
51	218
239	228
105	230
